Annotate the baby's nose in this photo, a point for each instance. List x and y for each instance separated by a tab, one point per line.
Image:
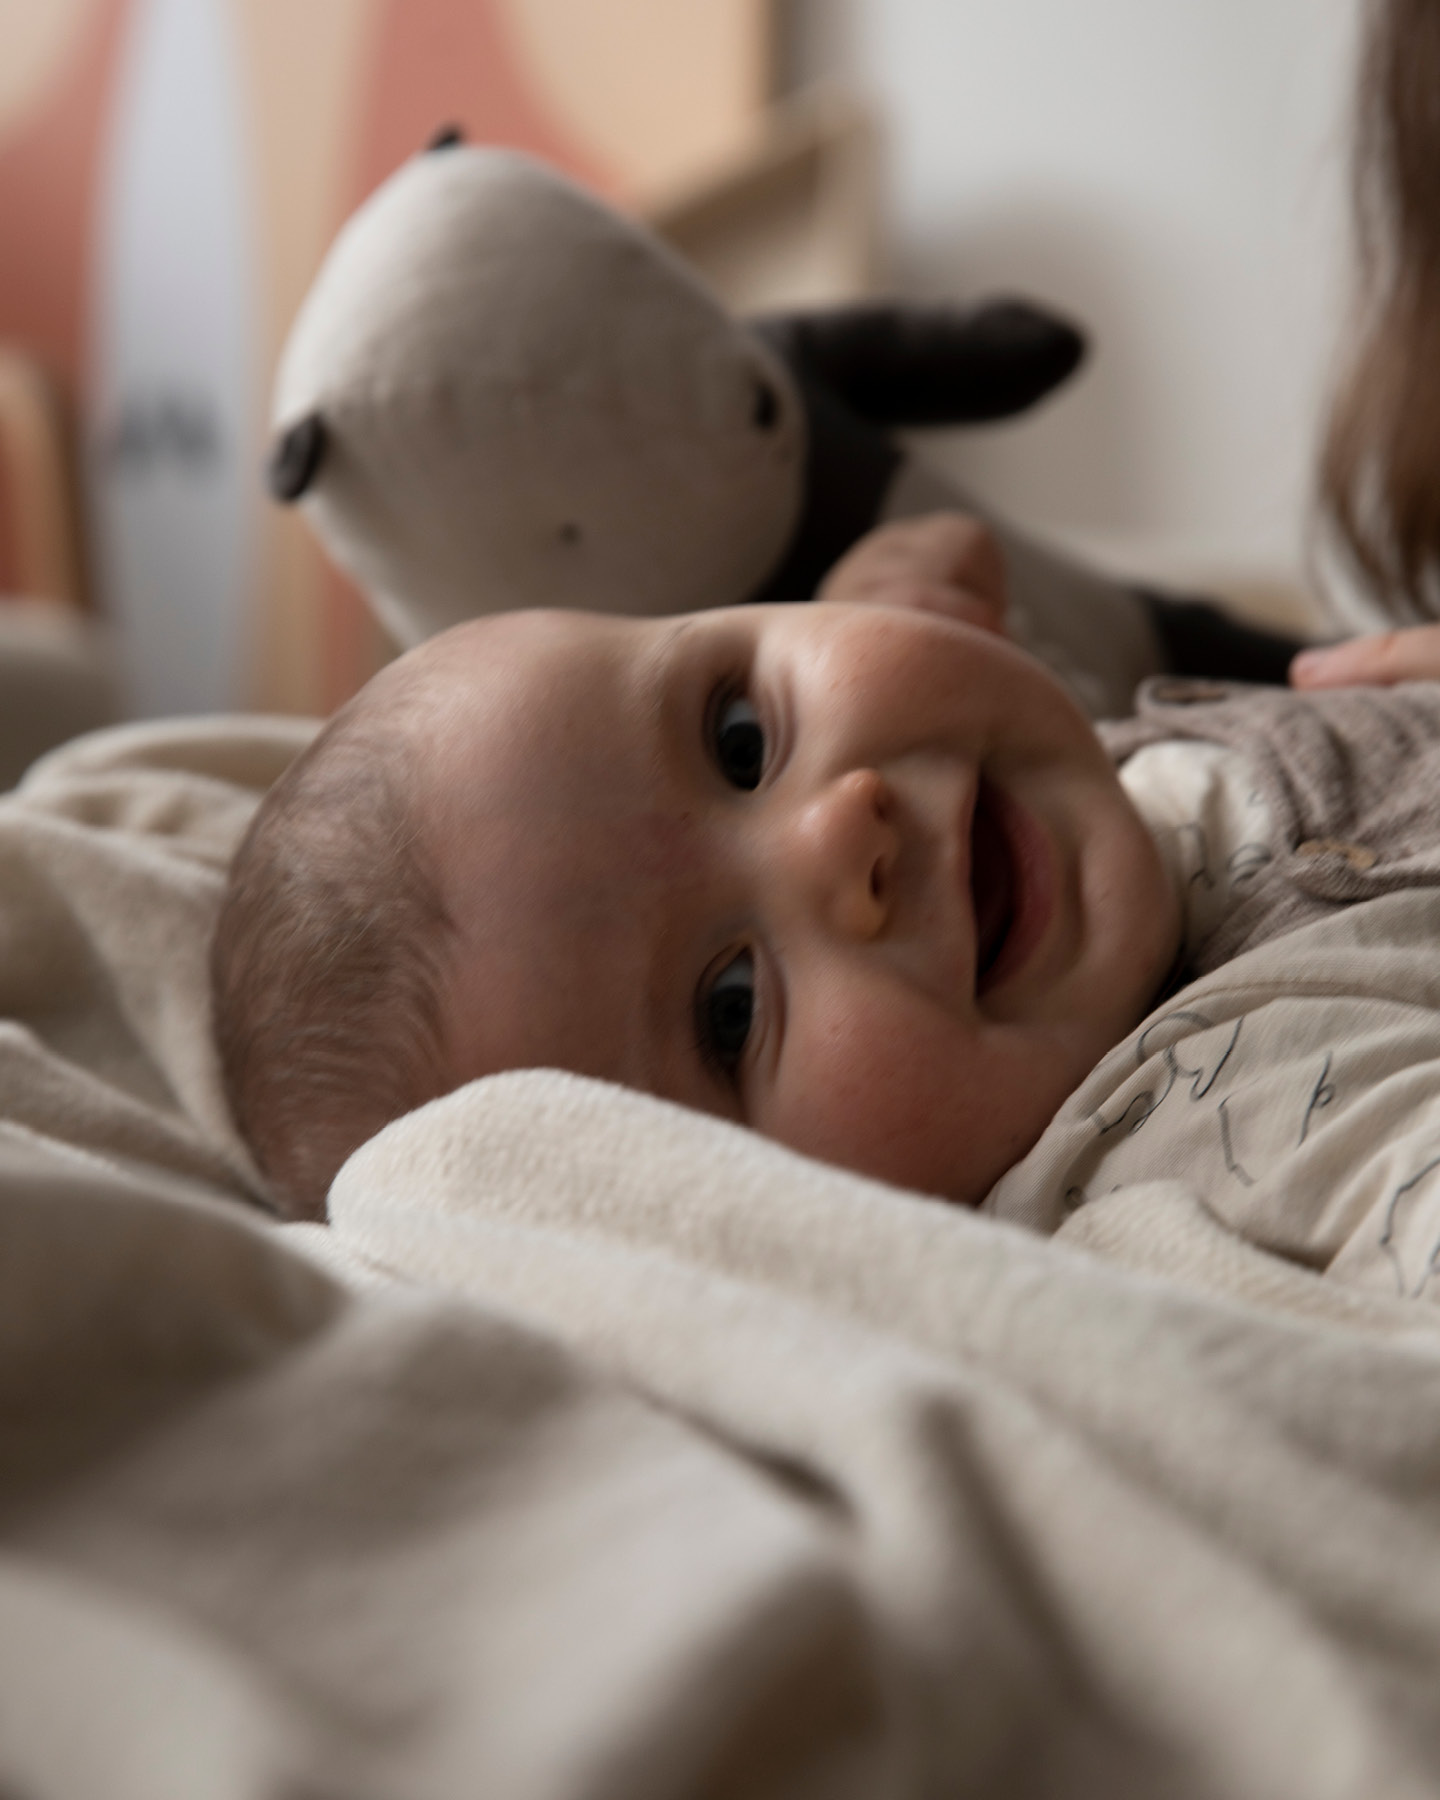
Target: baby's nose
844	844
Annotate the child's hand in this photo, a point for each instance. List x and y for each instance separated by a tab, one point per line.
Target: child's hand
947	563
1378	661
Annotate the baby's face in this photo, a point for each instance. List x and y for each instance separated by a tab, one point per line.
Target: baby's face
861	878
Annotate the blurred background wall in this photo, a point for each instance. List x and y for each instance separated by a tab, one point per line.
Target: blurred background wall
1174	171
1168	171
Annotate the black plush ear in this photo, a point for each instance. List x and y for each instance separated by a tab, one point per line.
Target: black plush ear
929	365
446	138
294	458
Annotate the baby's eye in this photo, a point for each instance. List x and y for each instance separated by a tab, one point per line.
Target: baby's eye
726	1008
739	742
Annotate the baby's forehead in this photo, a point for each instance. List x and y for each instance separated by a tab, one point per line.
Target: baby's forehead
557	856
540	656
527	717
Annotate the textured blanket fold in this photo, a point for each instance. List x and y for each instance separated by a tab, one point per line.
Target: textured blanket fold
112	858
1173	1537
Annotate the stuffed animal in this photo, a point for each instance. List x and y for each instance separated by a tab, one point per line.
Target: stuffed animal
500	392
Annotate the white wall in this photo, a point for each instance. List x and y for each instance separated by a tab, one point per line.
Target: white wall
1173	173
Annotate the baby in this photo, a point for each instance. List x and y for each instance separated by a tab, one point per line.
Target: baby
858	874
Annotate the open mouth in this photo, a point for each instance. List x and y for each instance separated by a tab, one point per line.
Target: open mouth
993	884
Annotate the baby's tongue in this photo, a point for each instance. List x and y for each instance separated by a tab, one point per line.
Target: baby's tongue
991	882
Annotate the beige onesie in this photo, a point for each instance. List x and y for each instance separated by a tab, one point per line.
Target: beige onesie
1285	1096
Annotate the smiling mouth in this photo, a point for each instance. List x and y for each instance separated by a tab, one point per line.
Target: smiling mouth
993	884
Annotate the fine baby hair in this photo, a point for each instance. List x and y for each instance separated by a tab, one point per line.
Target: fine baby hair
330	943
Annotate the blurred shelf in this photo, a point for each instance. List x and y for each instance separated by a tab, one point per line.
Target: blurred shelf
793	220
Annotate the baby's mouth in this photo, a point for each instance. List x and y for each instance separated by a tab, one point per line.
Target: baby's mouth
992	884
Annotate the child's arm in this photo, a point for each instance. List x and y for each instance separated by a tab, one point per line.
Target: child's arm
949	563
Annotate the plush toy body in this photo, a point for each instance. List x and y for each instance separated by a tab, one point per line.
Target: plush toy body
501	393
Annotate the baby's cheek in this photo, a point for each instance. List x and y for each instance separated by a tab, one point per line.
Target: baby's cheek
892	1088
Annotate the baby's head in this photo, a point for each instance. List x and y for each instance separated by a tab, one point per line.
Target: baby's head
859	876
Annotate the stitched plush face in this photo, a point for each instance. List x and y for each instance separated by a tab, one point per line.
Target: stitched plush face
859	877
521	398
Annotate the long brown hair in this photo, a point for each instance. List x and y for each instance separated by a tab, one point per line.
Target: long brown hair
1380	465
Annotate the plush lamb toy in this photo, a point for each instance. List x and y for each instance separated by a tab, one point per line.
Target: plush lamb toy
501	393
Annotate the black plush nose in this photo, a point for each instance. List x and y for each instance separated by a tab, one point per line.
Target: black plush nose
295	457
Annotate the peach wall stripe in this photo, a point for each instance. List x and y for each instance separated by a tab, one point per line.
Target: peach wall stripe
454	61
307	71
661	90
40	42
48	194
